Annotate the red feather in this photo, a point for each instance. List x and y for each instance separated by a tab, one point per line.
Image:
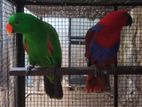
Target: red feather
50	48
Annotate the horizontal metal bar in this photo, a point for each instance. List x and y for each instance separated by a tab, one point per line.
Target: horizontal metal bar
79	3
121	70
77	37
77	42
82	4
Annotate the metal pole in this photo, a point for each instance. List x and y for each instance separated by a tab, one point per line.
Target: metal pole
20	63
115	81
124	3
69	54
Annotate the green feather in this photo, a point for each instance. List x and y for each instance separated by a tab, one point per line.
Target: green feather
37	34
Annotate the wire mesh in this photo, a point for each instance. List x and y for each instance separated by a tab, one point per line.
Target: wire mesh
7	58
72	97
72	23
65	11
129	91
129	87
71	32
72	29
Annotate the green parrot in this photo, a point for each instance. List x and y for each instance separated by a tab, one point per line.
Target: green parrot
42	45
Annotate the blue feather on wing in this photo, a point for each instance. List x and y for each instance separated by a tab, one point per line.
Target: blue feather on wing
101	54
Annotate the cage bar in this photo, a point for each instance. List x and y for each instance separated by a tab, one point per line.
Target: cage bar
81	3
76	18
121	70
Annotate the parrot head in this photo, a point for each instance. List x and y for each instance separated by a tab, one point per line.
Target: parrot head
20	23
117	19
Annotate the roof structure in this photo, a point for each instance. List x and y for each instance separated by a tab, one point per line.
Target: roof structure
75	8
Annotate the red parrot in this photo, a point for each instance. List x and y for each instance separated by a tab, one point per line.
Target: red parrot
102	44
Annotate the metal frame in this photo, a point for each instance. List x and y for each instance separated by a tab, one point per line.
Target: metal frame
22	72
121	70
136	3
20	63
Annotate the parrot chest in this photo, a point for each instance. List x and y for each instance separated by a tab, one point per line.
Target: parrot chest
38	54
101	54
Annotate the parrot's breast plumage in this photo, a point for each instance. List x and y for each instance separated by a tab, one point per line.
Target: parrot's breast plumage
101	54
103	44
39	53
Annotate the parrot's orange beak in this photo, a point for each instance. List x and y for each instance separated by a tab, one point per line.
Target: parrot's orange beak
9	29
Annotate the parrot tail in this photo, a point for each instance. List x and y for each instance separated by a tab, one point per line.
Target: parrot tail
97	84
53	89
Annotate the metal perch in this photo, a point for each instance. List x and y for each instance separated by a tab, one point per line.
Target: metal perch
121	70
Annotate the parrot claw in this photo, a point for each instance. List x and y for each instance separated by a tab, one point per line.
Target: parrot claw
29	68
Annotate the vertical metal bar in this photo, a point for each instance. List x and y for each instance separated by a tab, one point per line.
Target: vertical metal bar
19	42
69	51
115	81
1	36
20	63
115	88
69	42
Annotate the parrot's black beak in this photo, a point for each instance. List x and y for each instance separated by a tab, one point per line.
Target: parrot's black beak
129	21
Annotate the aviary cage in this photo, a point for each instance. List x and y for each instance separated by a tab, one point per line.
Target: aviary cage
71	19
